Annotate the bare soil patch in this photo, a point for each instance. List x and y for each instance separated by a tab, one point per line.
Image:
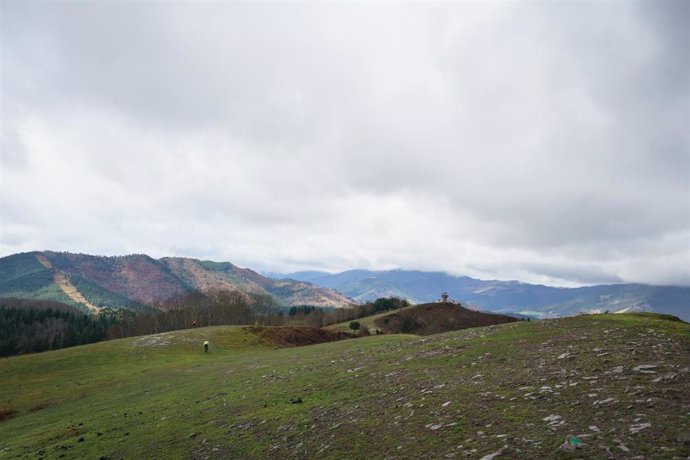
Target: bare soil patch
72	292
296	336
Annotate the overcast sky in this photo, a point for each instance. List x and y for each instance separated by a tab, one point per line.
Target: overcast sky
541	141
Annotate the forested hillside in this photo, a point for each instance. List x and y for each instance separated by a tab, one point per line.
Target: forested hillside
140	283
30	327
23	276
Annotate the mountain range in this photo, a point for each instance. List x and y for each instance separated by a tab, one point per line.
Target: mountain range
142	283
502	296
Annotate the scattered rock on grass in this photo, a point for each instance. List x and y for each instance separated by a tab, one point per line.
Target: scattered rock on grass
604	402
639	427
645	368
494	455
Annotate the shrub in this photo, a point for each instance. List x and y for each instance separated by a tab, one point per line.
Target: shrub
408	324
38	406
354	325
7	413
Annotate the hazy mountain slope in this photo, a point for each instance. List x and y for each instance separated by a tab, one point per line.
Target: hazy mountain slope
207	275
506	296
308	276
139	282
203	279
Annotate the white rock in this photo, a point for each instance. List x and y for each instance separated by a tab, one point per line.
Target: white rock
494	455
639	427
603	402
644	367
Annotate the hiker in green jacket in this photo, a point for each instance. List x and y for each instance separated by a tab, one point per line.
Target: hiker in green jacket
206	346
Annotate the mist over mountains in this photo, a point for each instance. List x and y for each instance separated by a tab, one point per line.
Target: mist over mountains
503	296
141	283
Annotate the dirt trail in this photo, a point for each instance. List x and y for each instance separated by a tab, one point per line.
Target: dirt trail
72	292
68	288
44	261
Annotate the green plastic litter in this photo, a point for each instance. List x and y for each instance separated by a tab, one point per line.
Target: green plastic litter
574	441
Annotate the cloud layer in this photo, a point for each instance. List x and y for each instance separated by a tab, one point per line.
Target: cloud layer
542	142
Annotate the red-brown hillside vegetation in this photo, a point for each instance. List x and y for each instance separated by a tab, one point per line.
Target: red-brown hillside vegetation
296	336
139	281
433	318
137	277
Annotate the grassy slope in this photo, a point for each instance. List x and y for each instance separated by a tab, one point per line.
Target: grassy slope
376	397
367	321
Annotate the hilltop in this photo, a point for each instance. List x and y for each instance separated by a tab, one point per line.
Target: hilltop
503	296
515	391
433	318
141	283
426	319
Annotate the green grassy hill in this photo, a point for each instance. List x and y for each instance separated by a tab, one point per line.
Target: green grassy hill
368	321
517	388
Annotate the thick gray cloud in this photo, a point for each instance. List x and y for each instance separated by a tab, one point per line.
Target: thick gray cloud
540	141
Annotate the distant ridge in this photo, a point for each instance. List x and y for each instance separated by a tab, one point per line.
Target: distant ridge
504	296
141	283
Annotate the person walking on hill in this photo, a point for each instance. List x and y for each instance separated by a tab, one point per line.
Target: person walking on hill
205	346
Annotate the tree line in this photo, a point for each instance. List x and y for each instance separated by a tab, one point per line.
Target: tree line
235	308
33	326
318	317
31	330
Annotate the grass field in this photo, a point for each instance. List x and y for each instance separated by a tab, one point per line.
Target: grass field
367	321
517	389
